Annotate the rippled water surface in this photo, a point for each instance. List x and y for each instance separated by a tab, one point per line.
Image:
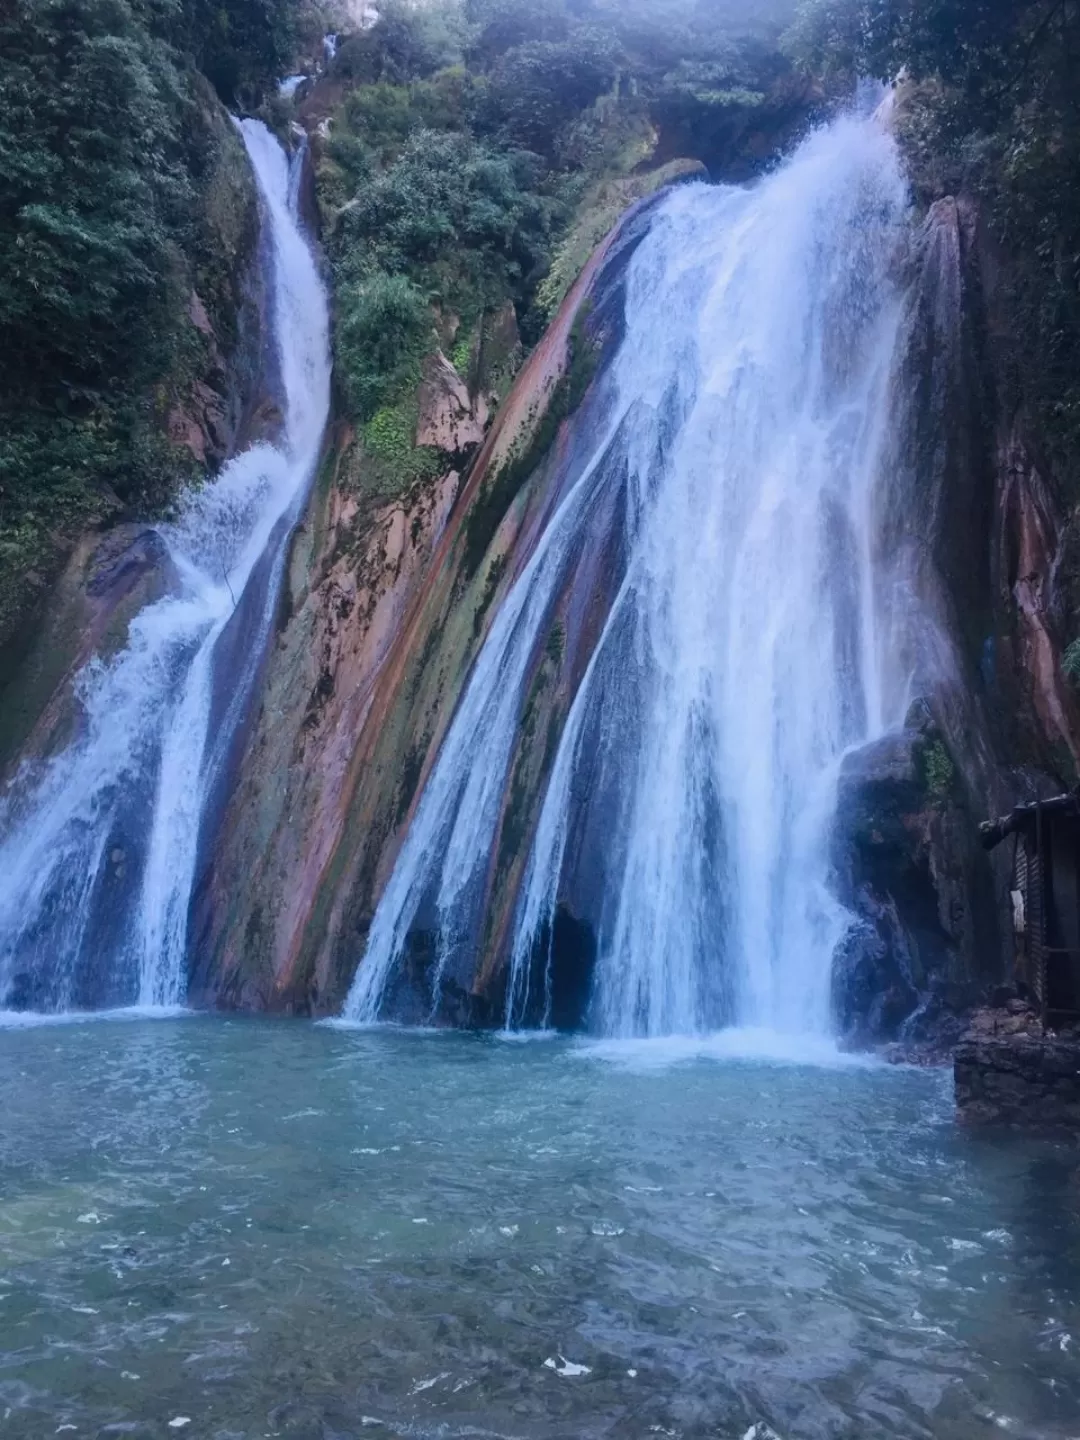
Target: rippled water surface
274	1229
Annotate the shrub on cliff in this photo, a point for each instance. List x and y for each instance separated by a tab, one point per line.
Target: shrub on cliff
243	47
449	222
384	332
538	88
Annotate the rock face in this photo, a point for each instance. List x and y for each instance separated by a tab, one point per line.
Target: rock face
1008	1069
108	580
984	544
389	602
913	873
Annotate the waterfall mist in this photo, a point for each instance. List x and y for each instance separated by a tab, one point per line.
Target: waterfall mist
158	716
750	645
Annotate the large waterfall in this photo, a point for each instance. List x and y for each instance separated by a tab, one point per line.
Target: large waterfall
748	649
99	846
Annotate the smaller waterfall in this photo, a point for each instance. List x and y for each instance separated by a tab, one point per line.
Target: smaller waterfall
748	648
157	717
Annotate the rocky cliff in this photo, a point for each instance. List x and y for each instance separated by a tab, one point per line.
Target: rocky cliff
994	720
390	600
388	604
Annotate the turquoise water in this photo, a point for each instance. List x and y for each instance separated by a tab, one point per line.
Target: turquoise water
265	1229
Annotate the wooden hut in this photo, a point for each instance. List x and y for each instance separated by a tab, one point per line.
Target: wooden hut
1045	895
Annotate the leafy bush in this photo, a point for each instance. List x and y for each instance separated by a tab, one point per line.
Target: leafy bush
384	332
502	25
242	46
390	445
540	87
408	43
465	223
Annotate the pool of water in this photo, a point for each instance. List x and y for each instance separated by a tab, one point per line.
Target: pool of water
236	1229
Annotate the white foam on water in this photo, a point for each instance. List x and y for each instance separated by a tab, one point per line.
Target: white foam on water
386	1027
759	1045
33	1019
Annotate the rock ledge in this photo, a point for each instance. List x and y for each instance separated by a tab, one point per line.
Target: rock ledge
1008	1067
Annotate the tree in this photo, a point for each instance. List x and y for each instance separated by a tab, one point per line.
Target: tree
539	87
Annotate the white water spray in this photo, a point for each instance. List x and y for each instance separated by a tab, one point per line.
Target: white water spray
751	421
135	783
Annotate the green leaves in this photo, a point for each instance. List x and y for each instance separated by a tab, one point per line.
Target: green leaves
539	87
116	170
384	331
449	222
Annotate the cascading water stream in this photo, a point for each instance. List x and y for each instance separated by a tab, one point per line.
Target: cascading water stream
154	726
748	649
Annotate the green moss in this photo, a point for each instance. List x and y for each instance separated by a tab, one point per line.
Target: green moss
396	462
389	435
496	571
1070	664
597	215
461	357
939	772
500	492
411	771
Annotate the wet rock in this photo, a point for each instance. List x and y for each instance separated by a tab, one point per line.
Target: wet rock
910	869
108	579
450	419
1009	1068
388	600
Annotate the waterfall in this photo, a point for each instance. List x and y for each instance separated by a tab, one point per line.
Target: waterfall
749	648
131	792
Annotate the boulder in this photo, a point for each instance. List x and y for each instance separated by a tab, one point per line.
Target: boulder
910	869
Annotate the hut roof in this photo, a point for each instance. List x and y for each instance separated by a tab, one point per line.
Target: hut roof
1025	817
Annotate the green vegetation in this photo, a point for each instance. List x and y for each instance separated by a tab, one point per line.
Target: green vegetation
389	443
122	189
994	109
478	151
500	490
384	332
939	772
